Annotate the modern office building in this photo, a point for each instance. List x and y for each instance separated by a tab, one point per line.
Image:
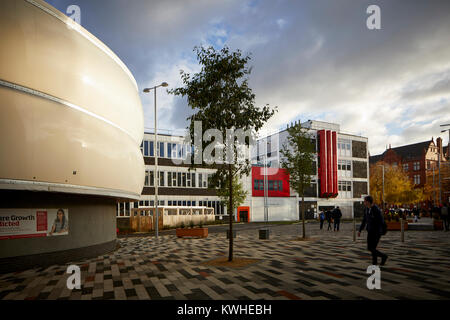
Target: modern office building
341	175
341	178
180	185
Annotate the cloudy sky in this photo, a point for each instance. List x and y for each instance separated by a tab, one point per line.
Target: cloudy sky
313	59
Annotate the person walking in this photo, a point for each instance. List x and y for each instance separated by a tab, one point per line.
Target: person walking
322	219
328	217
444	215
373	222
337	215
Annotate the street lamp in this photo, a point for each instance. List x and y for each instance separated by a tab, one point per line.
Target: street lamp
383	183
156	180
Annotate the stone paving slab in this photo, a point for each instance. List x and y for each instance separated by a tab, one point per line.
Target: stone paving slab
331	266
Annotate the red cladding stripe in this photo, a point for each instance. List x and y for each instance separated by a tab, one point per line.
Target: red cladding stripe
335	180
329	173
323	163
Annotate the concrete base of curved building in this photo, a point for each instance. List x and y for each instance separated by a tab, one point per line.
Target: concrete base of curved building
92	230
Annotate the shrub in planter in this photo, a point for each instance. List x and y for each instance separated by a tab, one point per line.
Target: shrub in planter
191	224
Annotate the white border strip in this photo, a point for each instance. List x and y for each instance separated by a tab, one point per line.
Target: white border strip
75	26
60	101
10	184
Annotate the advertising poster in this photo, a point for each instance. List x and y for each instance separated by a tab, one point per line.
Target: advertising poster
33	223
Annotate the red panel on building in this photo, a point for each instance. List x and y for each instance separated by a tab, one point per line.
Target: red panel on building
278	182
329	190
322	163
334	170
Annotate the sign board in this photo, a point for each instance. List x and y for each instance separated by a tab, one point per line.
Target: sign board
33	223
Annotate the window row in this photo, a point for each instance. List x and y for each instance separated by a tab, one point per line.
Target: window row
344	186
417	179
344	147
272	185
177	179
345	165
166	149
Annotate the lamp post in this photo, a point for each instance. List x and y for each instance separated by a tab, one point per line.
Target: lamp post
383	184
156	174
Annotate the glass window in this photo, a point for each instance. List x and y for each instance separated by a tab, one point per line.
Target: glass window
193	203
261	184
193	179
184	179
169	179
146	183
169	202
184	203
189	203
179	179
151	173
255	186
161	149
188	179
146	148
280	185
161	179
271	185
152	154
152	203
174	179
169	150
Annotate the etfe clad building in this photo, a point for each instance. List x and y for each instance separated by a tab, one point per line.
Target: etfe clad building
71	123
341	176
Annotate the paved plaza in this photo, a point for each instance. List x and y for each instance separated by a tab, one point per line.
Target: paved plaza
330	266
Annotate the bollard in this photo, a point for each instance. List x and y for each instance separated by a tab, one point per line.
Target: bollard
402	228
264	233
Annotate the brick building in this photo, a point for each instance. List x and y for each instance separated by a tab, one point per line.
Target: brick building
418	160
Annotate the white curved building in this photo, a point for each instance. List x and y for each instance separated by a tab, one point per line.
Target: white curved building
70	115
71	126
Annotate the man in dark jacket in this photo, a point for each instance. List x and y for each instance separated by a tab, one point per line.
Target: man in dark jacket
337	215
373	221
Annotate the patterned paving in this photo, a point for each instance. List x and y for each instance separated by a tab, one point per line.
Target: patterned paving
331	266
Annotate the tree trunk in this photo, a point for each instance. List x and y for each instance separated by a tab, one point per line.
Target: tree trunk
303	216
230	213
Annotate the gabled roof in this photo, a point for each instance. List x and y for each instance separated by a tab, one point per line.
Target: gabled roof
410	151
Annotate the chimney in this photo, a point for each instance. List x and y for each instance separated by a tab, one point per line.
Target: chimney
439	145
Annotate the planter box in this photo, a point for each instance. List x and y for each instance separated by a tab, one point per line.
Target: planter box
394	225
438	224
192	232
